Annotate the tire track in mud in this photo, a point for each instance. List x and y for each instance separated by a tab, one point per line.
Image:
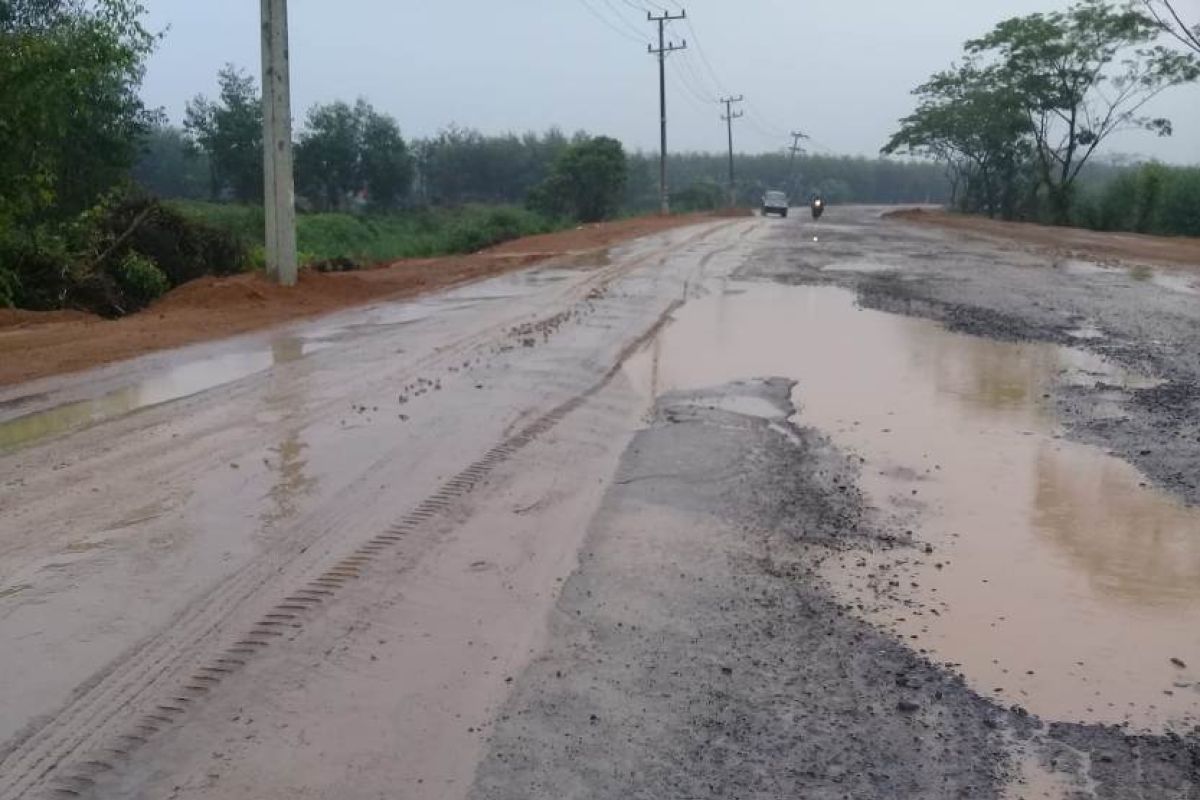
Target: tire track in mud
77	742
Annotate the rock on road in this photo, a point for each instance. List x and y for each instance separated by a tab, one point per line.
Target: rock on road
705	517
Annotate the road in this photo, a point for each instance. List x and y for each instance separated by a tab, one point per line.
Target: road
753	508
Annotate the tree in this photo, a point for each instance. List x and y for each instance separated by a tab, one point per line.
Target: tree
975	126
386	165
168	166
587	182
327	156
1081	76
229	132
70	114
1170	20
346	150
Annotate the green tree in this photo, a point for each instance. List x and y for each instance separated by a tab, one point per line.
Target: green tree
386	164
70	113
229	132
1081	76
347	150
169	166
976	126
327	169
587	182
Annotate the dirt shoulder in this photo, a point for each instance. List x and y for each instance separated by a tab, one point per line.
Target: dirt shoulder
43	344
1171	250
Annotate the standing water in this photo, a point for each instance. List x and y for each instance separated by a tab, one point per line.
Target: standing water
1056	578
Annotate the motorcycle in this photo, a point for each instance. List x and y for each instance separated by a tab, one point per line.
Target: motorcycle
818	207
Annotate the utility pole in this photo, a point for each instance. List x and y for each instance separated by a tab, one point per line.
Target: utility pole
729	116
795	150
279	201
664	48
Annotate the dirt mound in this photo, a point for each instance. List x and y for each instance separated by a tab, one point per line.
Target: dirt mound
18	318
1073	242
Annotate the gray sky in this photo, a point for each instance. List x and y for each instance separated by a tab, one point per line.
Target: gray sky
841	70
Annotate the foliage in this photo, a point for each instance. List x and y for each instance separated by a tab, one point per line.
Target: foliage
376	238
169	166
112	259
70	114
347	151
140	279
586	183
229	132
1151	198
838	178
1036	98
462	166
976	127
1081	76
704	195
1167	17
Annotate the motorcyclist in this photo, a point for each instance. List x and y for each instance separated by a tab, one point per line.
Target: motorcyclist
818	206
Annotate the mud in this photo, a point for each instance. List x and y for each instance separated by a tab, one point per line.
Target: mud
36	345
1031	538
644	524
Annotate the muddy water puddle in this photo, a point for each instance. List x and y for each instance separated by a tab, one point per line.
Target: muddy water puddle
161	386
1056	578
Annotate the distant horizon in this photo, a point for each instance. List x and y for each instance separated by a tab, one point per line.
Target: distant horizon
845	79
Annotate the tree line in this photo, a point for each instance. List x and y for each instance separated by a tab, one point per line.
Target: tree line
1018	120
353	157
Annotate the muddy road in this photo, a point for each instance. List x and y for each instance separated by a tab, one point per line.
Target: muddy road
753	508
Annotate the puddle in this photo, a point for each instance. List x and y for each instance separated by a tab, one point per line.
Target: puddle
1065	585
172	383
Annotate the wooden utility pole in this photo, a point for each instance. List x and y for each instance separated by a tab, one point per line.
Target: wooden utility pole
664	48
729	116
795	150
279	201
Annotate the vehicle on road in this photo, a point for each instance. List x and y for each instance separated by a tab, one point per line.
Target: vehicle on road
775	202
818	207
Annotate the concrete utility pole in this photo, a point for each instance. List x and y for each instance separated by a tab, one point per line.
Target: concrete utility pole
795	150
280	198
663	49
728	118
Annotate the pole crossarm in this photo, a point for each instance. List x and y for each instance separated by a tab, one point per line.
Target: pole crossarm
662	51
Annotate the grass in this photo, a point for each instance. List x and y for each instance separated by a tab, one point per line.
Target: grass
376	238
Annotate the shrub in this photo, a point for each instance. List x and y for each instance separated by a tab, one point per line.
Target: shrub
183	248
140	280
10	287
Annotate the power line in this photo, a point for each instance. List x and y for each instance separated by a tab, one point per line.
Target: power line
696	98
720	86
664	49
608	23
636	33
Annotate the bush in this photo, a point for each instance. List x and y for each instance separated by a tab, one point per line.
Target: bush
115	258
140	280
183	248
10	287
1152	198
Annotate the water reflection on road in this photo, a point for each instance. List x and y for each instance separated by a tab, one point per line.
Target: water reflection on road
1058	579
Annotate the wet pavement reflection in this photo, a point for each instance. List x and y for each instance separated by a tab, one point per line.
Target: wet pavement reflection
198	369
1056	577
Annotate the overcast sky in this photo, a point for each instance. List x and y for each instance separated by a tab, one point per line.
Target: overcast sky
841	70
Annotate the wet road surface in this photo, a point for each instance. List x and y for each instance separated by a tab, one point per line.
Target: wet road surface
757	507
